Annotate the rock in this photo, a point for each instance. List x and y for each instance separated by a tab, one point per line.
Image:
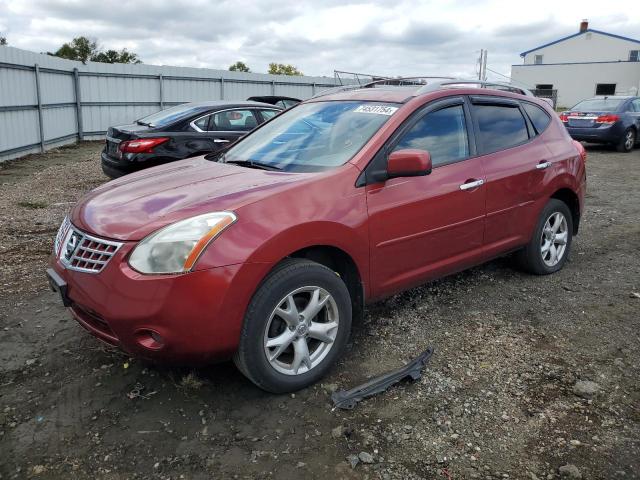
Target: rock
337	432
38	469
585	388
301	465
30	362
365	457
353	460
570	471
330	387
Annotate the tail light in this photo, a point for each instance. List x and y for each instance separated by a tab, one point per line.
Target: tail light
581	150
607	119
564	117
142	145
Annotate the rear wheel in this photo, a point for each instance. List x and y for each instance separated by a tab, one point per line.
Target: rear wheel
627	141
549	247
296	327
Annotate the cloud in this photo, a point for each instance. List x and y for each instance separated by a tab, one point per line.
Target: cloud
374	36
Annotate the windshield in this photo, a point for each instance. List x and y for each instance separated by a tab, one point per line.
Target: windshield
170	115
599	105
312	136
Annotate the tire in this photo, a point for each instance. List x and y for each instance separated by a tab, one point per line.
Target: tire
537	256
627	141
271	317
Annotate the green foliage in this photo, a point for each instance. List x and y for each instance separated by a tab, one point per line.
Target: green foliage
113	56
83	50
239	67
282	69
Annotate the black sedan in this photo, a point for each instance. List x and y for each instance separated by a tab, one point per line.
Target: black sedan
180	132
614	120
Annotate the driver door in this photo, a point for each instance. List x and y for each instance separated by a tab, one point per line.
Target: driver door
426	226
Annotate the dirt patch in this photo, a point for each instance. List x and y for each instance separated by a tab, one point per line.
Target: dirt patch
497	400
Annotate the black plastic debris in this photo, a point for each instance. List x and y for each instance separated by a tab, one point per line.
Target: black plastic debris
347	399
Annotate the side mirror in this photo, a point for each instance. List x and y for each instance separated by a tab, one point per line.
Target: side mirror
409	163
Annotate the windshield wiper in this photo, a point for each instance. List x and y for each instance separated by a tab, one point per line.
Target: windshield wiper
143	123
252	164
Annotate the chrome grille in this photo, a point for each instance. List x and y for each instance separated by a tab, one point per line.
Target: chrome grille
62	232
82	252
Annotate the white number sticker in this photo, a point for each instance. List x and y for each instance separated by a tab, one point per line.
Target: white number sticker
378	109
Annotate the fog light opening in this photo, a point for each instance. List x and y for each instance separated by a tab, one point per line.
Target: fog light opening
150	339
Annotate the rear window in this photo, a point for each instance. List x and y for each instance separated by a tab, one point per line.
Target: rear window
598	105
538	116
171	115
501	127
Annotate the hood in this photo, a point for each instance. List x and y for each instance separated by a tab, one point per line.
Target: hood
135	205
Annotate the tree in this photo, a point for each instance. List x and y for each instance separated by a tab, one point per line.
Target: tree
80	48
239	67
3	40
113	56
83	49
282	69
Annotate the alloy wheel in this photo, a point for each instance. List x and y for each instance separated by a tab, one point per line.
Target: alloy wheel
553	241
629	140
301	330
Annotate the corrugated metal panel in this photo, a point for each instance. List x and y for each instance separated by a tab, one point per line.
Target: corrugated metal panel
59	122
18	129
242	91
113	94
56	88
18	87
100	118
190	90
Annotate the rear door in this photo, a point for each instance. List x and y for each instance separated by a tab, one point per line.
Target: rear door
423	227
226	126
267	113
515	163
633	110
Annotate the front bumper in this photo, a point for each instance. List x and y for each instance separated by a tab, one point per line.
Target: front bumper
198	315
601	134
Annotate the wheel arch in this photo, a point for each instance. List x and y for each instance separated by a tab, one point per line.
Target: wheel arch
570	198
343	264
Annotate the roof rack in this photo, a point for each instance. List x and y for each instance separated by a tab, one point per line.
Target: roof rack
480	83
426	86
396	82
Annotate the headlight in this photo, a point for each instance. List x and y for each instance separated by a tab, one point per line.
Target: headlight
176	248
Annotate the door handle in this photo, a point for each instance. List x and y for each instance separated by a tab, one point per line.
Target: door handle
220	140
543	165
471	184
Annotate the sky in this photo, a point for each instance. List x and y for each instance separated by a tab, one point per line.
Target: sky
393	38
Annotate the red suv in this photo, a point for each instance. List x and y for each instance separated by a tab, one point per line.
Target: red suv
265	252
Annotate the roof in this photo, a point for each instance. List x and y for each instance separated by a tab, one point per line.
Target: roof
620	37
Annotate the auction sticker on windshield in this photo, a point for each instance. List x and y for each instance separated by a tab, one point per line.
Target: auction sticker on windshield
379	109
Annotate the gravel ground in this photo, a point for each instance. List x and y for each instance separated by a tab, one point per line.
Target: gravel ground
532	377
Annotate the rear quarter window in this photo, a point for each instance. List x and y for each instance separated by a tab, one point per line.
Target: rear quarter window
538	117
500	127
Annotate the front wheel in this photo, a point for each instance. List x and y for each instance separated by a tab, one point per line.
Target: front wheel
296	327
627	141
549	247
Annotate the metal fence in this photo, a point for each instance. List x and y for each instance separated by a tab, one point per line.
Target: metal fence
46	102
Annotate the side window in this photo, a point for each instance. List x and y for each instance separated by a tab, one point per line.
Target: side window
233	120
203	123
635	105
538	116
442	133
500	127
268	114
